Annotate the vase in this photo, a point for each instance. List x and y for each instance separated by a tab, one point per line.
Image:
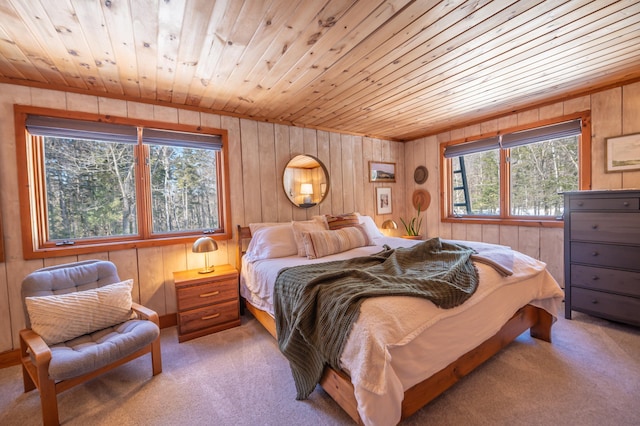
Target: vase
412	237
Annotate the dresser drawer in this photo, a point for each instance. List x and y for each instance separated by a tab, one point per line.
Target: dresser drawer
612	280
606	305
605	227
606	255
209	316
193	296
630	203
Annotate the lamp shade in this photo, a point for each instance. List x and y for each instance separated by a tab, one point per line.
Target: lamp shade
205	245
389	224
306	189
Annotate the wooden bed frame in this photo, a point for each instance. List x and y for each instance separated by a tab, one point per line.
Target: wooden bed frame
339	386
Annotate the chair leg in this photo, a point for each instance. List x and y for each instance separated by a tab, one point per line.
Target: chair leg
29	385
48	399
27	380
156	357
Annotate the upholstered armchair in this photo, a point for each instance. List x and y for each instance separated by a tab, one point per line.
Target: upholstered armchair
81	322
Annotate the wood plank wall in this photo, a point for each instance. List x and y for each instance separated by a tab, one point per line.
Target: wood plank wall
258	154
614	112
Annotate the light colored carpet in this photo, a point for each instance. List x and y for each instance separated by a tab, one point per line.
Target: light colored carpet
589	375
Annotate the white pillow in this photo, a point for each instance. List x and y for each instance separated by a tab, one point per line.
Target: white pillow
370	227
271	241
321	218
61	317
323	243
255	226
315	224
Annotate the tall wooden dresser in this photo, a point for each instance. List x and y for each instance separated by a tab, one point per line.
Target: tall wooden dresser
602	254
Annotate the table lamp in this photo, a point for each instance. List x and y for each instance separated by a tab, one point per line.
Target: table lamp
389	225
306	189
205	245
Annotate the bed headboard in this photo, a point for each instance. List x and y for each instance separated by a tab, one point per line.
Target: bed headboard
243	237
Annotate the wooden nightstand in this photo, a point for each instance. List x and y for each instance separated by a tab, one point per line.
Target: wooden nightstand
207	303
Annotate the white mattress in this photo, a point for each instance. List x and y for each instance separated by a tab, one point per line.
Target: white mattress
400	341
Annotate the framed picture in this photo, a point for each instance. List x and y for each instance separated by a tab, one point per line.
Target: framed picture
383	201
623	153
382	172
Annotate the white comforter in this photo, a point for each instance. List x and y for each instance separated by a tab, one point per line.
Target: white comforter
400	341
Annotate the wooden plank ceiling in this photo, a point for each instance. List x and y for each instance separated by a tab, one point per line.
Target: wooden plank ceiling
395	69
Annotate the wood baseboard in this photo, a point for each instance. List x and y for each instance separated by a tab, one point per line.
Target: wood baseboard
168	320
10	358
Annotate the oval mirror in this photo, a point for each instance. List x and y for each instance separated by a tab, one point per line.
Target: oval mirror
305	181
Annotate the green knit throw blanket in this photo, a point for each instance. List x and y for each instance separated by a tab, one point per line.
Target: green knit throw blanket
315	305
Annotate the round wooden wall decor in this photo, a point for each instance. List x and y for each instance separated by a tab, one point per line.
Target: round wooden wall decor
420	175
421	198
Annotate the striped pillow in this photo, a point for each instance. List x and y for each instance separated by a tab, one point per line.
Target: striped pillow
61	317
323	243
315	224
342	221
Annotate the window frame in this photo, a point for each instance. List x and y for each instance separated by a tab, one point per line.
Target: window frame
32	192
505	218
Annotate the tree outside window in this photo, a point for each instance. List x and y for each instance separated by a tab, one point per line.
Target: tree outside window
90	184
518	175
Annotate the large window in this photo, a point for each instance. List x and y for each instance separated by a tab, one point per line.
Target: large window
97	186
90	188
517	175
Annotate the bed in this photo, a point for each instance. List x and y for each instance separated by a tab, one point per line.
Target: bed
402	352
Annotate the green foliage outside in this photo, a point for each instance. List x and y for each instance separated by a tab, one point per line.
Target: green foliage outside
91	189
540	172
184	189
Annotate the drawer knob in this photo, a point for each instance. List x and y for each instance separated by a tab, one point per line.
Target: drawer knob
594	301
626	204
595	253
208	317
213	293
594	226
595	278
580	203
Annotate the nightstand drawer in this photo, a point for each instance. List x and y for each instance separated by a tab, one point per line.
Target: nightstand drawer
625	257
605	227
208	316
607	305
190	297
612	280
207	303
630	203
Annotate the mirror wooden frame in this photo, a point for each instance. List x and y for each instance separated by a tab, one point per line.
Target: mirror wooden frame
310	171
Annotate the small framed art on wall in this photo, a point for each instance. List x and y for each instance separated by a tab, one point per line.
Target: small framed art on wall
383	201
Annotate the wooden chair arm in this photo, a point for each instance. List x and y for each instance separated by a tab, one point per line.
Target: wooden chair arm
32	341
145	313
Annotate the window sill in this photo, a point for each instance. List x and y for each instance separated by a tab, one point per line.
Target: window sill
532	222
103	247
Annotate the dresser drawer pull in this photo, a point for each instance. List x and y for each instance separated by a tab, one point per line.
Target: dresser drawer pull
580	203
594	226
595	253
595	278
213	293
208	317
594	301
626	204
